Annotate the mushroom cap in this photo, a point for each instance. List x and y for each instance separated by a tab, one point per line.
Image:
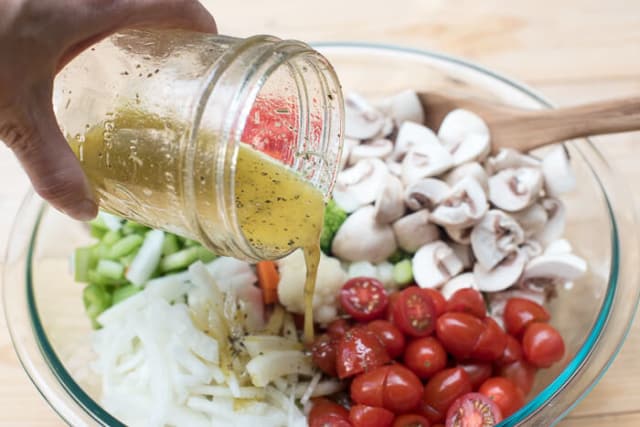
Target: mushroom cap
462	281
503	275
434	264
558	174
378	148
395	168
473	169
361	238
361	119
464	206
390	201
425	193
515	189
494	237
412	134
531	248
414	231
459	235
532	219
406	106
508	158
554	228
359	185
567	267
465	135
347	147
423	162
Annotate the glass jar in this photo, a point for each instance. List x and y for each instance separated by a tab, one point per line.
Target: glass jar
158	119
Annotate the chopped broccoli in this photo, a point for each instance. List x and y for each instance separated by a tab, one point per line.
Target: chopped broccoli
334	216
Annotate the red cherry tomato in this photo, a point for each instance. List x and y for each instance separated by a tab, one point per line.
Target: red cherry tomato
469	301
512	352
368	388
519	312
325	413
504	393
459	333
359	350
329	421
338	328
364	298
478	373
323	354
393	297
439	302
402	390
490	346
425	357
542	345
442	390
411	420
414	312
521	373
389	335
473	410
370	416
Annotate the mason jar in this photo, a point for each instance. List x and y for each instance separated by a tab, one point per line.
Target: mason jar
158	120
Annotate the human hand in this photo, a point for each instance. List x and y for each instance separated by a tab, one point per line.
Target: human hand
37	38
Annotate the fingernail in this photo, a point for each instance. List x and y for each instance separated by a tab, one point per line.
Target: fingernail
86	210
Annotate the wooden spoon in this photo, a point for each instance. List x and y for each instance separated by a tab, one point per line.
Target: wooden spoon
524	130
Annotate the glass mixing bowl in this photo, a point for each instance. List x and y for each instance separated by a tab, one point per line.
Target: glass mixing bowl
51	333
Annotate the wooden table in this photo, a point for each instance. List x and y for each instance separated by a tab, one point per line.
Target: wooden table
570	50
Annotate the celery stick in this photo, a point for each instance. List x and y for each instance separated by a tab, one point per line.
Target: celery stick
110	269
131	227
111	237
82	263
96	300
96	231
96	278
180	260
402	272
125	246
128	259
170	244
188	243
205	255
124	292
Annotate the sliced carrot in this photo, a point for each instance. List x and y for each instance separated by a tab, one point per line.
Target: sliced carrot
268	279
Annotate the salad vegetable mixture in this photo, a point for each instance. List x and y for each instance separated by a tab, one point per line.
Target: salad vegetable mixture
438	259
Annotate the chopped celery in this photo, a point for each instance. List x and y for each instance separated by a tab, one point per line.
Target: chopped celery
131	227
96	278
96	300
189	243
83	261
402	272
100	251
205	255
110	269
180	260
125	292
128	259
97	231
170	244
111	237
125	246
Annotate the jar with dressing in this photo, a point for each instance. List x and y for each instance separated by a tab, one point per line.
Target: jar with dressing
231	142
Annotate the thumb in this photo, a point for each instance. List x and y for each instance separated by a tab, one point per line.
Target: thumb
45	155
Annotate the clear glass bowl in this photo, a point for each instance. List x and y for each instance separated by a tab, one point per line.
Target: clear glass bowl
51	333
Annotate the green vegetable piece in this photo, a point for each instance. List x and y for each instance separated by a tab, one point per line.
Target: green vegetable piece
125	292
189	243
125	246
131	227
170	244
128	259
110	269
111	237
402	272
205	255
97	231
399	255
96	300
179	260
334	216
99	251
83	261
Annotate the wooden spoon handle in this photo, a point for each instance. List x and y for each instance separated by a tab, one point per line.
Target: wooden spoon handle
533	129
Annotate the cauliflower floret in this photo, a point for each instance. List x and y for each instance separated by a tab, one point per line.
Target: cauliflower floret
330	279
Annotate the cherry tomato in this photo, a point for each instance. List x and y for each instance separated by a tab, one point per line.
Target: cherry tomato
469	301
338	328
473	410
359	350
425	357
389	335
492	342
521	373
393	297
370	416
504	393
414	312
519	312
364	298
323	354
330	420
512	352
411	420
459	333
325	413
402	390
542	345
439	302
442	390
368	388
478	373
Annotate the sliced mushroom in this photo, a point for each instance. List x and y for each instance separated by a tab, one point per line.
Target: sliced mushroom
362	120
360	184
463	207
463	281
503	275
465	135
474	170
425	161
434	264
406	106
557	171
515	189
414	231
361	238
508	158
532	219
532	248
410	135
426	193
378	148
390	202
459	235
554	228
394	167
495	237
563	267
464	254
348	145
387	128
558	247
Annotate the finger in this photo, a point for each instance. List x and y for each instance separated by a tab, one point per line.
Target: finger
53	169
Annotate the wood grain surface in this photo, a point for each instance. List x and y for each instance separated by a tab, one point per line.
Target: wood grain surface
570	50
